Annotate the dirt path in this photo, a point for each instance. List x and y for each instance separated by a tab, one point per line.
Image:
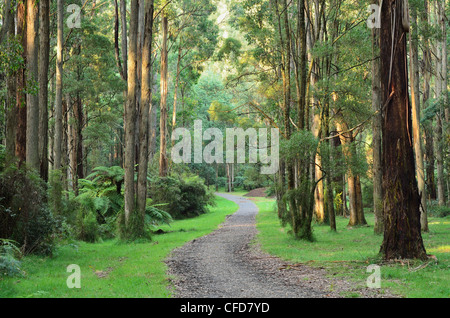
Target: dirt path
224	264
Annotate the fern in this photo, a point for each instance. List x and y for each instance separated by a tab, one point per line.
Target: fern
155	217
9	265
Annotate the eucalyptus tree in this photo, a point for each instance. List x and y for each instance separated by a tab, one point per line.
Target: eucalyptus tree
402	231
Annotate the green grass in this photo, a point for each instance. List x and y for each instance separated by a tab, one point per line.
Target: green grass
349	251
111	268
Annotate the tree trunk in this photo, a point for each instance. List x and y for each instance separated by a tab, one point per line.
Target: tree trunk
44	51
438	133
428	130
11	115
58	93
446	107
415	103
402	234
146	98
163	161
353	180
130	117
175	91
32	147
21	102
376	140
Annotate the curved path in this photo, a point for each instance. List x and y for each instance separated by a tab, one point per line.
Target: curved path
226	264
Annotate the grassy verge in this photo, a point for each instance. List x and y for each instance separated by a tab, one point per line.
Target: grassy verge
349	251
111	268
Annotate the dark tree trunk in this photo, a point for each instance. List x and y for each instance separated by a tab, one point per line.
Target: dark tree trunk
402	233
44	51
21	103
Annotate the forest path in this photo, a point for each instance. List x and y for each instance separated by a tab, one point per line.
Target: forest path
225	264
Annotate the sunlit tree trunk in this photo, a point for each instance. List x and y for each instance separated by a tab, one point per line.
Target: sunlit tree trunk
163	161
175	91
402	232
58	93
146	97
130	116
376	139
32	147
353	179
438	142
415	104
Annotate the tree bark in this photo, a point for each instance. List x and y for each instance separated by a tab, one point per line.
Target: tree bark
440	92
146	97
130	116
402	233
21	102
376	139
163	161
353	180
428	130
44	51
175	91
59	83
11	116
415	105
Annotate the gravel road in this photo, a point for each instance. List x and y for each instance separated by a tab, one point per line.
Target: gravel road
225	264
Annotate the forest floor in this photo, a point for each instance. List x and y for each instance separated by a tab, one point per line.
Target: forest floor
227	264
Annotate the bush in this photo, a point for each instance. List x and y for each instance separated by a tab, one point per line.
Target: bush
100	206
24	214
438	211
185	195
88	228
9	265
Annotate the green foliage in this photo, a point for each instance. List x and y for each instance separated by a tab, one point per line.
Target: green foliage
99	202
24	214
435	210
252	178
100	206
88	227
11	56
301	146
155	217
9	264
186	195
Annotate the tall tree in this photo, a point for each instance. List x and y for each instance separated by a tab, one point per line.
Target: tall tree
146	99
376	140
58	90
415	104
163	161
11	114
402	232
130	117
32	147
21	102
440	93
44	51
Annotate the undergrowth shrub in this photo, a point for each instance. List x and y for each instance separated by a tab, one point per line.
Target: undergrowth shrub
100	207
186	195
24	213
9	255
